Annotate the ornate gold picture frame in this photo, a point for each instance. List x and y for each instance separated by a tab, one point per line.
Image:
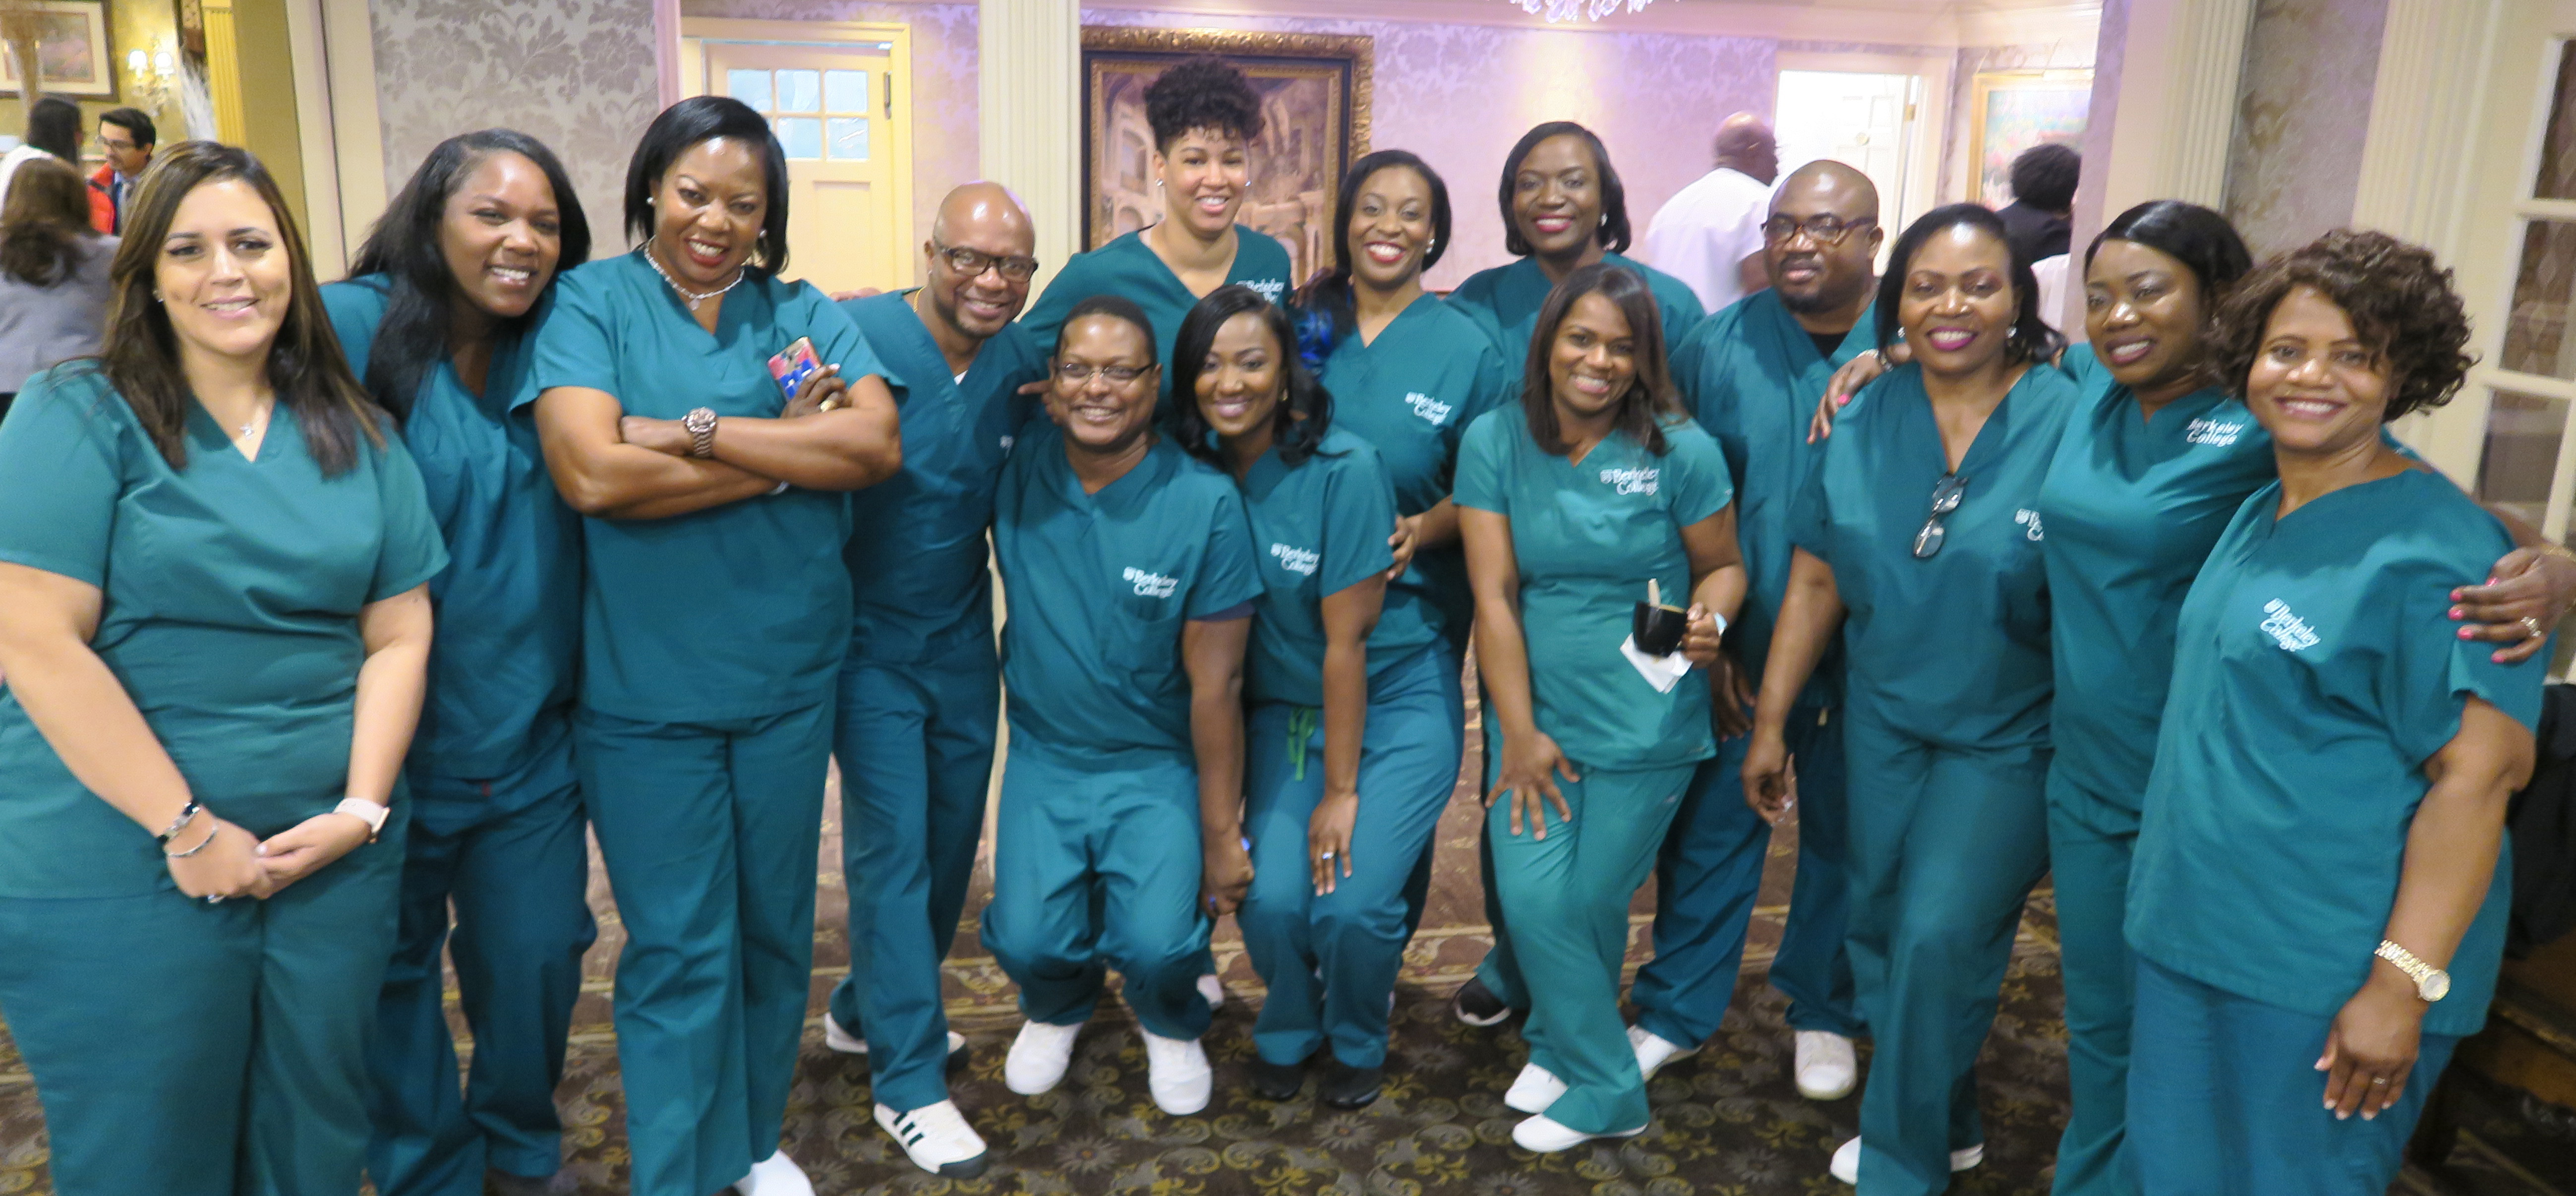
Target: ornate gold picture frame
1315	91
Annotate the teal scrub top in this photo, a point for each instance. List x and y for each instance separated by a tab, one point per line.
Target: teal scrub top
230	591
1752	376
2132	508
1951	650
1504	301
916	554
1411	393
506	662
2316	671
1319	527
1127	267
1586	537
738	611
1099	586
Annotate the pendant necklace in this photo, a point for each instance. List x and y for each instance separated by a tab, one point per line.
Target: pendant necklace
692	298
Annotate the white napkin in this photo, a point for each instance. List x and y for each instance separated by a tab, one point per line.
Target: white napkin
1662	672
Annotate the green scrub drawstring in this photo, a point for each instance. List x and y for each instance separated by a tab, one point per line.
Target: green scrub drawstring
1302	721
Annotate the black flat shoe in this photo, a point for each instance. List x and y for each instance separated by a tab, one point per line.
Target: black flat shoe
1276	1081
1347	1087
1477	1005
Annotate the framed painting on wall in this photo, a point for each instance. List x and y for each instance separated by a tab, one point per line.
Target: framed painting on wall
73	56
2012	111
1315	121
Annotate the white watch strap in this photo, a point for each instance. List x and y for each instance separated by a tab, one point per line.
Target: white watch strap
371	813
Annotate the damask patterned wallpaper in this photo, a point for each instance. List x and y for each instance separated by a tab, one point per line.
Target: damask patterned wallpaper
2303	113
576	74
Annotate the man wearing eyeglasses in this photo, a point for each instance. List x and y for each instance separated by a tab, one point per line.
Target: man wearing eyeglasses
1709	234
915	724
1752	374
127	137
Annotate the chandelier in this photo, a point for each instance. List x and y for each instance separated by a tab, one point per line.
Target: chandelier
1567	10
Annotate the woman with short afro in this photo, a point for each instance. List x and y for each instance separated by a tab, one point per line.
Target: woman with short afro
1205	116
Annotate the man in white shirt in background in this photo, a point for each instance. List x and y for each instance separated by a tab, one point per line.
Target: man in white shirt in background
1709	234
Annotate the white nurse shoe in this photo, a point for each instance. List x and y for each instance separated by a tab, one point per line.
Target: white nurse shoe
1176	1072
1654	1051
1846	1163
1039	1057
838	1037
1827	1067
937	1139
776	1175
1533	1090
1548	1137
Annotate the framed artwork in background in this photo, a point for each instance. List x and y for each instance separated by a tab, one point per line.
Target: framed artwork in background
2012	111
1315	92
73	57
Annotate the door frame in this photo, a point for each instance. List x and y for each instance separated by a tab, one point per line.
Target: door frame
1931	118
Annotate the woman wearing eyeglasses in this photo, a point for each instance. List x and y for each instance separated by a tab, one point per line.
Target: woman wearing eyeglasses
1918	539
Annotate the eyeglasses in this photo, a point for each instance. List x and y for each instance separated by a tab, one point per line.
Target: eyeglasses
1071	374
973	262
1945	499
1823	230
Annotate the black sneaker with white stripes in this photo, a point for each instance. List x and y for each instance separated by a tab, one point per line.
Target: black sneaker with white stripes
1477	1005
937	1139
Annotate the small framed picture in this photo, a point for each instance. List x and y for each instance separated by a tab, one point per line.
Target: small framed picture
73	56
2011	111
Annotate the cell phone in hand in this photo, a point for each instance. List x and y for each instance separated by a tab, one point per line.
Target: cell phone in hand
793	365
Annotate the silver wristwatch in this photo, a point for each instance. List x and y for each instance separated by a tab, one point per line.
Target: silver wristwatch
2431	983
701	426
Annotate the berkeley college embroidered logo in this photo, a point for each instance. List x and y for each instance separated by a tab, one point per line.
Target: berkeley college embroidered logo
1151	585
2215	432
1269	288
2029	520
1428	408
2292	632
1295	560
1631	481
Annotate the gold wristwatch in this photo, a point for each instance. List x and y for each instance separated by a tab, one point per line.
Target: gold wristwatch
2431	983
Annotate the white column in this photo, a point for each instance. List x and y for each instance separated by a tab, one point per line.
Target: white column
2425	113
1028	97
2177	93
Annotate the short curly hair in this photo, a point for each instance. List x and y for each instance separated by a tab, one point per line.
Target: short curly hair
2399	299
2044	176
1205	92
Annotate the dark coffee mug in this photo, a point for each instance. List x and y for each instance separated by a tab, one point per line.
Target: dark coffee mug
1658	629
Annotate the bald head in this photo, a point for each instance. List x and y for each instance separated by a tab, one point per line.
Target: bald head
1821	244
981	237
1745	144
985	208
1825	185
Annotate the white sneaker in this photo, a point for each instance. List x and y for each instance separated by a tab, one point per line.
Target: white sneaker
839	1038
1548	1137
1653	1052
937	1139
776	1175
1846	1163
1213	989
1827	1067
1533	1090
1176	1071
1038	1057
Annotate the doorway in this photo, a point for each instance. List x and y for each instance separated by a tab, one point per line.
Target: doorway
1871	112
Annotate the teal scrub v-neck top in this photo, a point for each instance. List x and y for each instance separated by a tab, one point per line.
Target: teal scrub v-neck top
1099	586
1752	376
1505	301
2132	507
1586	536
916	553
1951	649
1411	393
1319	527
2316	670
738	611
506	661
1127	267
230	591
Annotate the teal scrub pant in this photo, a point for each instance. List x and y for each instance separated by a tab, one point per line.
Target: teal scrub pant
2090	843
915	744
511	858
1330	960
1096	866
1567	900
2230	1103
1946	844
709	832
186	1049
1710	874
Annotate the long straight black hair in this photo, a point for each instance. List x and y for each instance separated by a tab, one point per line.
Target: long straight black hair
404	247
1305	410
2031	339
1327	298
705	118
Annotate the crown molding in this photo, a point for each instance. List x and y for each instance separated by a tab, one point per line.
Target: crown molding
1943	23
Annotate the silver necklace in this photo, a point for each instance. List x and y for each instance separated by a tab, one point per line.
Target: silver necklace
692	298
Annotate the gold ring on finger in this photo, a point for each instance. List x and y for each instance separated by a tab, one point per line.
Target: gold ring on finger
2530	627
2379	1081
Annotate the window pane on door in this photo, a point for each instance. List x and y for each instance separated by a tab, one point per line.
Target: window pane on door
2523	433
801	135
750	87
800	91
2558	146
2535	334
845	91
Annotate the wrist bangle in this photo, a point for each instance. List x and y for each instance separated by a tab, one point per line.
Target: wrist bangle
187	814
211	833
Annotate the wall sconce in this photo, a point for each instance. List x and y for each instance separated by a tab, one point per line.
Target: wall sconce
150	75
